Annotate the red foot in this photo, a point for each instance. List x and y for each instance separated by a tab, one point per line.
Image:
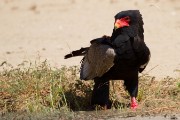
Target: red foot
134	104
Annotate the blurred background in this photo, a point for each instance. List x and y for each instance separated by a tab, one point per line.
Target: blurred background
32	30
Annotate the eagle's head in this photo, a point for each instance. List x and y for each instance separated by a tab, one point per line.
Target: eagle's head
129	22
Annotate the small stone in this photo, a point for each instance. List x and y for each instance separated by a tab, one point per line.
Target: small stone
173	117
8	52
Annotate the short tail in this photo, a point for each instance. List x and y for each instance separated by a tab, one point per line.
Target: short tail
75	53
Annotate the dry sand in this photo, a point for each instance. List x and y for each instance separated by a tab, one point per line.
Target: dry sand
49	29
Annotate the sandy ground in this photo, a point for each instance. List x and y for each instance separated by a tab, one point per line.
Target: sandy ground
85	115
49	29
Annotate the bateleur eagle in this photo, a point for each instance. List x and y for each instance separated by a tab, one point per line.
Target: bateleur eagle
119	57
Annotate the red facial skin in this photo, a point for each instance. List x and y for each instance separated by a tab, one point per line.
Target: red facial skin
134	104
122	22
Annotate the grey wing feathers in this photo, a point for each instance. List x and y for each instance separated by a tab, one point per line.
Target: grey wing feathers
98	60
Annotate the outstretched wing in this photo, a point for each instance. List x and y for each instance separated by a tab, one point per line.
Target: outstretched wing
98	60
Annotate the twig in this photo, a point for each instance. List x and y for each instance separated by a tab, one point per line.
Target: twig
103	84
149	71
159	109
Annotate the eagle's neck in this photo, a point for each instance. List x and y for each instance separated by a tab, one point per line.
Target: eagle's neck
115	34
132	31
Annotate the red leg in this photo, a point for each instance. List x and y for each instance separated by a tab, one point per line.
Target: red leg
134	103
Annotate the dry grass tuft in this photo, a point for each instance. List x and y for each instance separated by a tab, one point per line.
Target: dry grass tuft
41	89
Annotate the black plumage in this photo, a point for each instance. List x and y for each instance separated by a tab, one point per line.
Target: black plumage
119	57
